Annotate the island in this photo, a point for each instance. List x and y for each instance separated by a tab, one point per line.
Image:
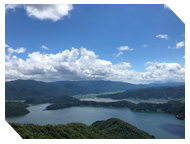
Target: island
176	108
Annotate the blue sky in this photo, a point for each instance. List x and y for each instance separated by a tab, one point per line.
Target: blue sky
116	42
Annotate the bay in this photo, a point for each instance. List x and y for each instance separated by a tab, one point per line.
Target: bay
161	125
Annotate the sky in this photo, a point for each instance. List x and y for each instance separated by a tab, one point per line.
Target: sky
129	43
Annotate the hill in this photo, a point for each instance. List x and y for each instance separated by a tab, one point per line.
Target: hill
172	107
27	89
110	129
151	92
15	109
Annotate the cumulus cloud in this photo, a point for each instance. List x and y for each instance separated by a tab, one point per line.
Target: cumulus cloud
125	48
44	47
52	12
163	36
18	50
11	51
165	72
83	64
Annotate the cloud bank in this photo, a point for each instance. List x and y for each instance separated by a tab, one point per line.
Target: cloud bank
83	64
52	12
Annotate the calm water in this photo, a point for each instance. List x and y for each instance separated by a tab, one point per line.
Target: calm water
161	125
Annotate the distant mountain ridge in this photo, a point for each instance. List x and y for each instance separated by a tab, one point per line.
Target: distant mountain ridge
150	92
27	89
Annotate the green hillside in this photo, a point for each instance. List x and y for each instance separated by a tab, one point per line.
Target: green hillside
151	92
15	109
172	107
110	129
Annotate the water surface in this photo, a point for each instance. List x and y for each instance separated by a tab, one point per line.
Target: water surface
161	125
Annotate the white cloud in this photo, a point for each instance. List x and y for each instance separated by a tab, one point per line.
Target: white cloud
12	6
122	65
180	44
165	72
83	64
44	47
18	50
163	36
11	51
119	54
52	12
144	46
125	48
184	56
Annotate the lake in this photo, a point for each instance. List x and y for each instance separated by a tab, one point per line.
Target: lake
161	125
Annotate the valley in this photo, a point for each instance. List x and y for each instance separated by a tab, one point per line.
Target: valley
24	95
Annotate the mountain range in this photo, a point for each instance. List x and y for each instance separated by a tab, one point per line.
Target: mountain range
27	89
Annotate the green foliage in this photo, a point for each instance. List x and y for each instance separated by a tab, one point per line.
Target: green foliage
15	109
36	100
64	99
175	108
172	107
116	129
151	92
27	89
109	129
90	103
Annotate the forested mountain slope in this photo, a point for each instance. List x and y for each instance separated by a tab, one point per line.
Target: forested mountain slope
110	129
151	92
27	89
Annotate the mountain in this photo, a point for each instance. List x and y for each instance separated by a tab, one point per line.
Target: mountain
109	129
27	89
118	129
169	84
151	92
30	89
